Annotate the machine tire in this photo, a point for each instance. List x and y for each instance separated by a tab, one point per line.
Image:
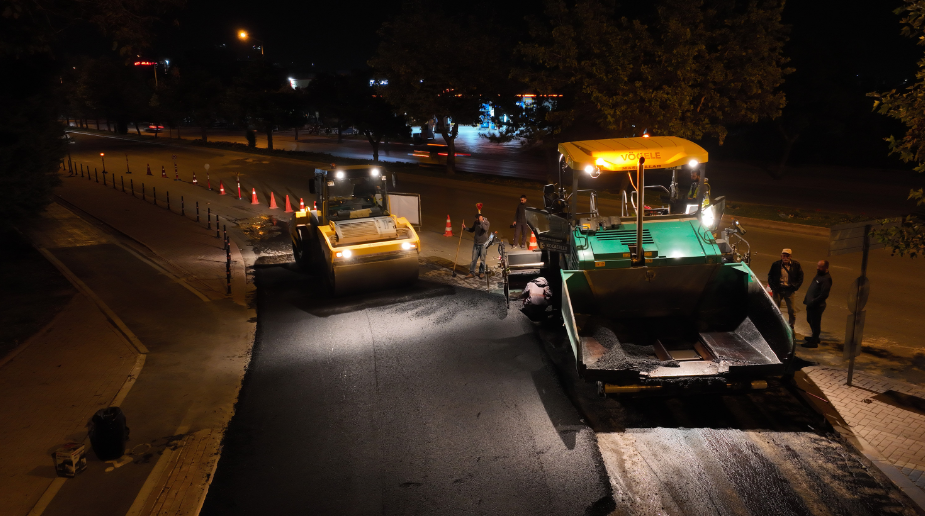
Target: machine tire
302	260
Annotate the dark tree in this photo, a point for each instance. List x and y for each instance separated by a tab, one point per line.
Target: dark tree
443	65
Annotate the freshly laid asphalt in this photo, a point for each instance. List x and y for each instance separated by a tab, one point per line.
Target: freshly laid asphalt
433	400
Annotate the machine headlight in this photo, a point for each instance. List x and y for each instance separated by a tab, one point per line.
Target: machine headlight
407	246
593	171
346	253
708	217
693	163
374	172
340	174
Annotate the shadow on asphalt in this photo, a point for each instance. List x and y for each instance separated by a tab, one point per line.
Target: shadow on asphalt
316	299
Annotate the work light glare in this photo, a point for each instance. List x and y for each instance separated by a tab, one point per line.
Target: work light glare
374	172
340	174
693	163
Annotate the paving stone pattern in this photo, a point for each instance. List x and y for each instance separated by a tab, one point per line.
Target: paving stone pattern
897	433
181	489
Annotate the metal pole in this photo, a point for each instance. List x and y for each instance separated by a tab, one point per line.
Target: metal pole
197	211
96	175
182	206
640	209
123	183
168	199
865	251
210	218
127	170
132	184
154	194
104	178
143	198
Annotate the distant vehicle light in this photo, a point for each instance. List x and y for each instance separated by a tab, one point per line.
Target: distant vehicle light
693	163
407	246
645	136
374	172
340	174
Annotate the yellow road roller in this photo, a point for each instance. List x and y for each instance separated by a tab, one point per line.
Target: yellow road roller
355	233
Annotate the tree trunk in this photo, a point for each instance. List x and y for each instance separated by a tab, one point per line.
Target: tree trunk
450	140
296	133
67	121
552	166
205	137
178	131
340	135
788	146
97	124
270	138
137	129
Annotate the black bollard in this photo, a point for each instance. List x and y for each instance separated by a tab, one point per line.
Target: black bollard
216	227
228	266
154	194
123	184
143	198
97	175
168	199
104	179
182	207
197	211
225	233
210	219
81	170
132	185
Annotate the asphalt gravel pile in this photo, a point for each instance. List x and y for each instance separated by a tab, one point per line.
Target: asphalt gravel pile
623	355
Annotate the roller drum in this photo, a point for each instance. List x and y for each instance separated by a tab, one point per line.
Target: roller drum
374	275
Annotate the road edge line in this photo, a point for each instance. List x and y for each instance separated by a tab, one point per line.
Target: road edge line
81	286
130	381
47	497
165	272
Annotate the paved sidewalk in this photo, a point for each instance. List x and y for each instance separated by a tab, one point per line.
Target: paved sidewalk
49	390
888	415
184	396
194	253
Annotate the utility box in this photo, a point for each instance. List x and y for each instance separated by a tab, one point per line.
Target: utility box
70	460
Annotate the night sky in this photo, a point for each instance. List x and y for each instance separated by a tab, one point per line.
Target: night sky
861	36
332	34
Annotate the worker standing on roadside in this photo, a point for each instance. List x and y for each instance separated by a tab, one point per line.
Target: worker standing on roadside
816	295
479	249
520	224
785	278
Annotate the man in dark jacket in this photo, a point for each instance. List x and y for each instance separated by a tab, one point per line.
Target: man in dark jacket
480	238
816	295
785	278
520	224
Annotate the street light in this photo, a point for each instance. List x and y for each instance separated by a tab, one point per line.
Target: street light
243	36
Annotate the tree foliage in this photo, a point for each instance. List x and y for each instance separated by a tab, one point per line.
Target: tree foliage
682	68
441	65
908	106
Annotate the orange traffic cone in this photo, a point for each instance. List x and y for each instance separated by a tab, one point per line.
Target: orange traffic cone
449	228
194	179
288	206
273	205
533	245
163	172
254	196
221	188
149	169
301	204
